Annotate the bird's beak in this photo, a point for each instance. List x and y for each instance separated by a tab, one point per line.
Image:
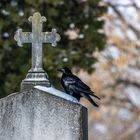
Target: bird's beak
59	70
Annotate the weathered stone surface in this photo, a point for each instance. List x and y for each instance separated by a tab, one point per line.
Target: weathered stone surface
38	115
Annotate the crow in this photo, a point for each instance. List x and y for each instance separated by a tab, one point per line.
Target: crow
75	87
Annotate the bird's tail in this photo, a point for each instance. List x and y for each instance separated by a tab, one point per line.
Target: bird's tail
92	94
90	100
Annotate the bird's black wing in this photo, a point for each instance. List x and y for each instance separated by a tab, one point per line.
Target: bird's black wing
83	87
72	79
77	90
80	83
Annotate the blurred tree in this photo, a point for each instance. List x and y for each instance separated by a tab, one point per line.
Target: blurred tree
78	23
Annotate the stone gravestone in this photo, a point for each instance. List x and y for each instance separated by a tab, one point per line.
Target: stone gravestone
39	111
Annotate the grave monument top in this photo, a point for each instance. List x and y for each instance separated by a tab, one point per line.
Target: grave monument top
36	75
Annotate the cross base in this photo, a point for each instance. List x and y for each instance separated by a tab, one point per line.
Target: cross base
34	78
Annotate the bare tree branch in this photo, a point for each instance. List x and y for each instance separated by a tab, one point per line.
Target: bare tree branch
123	19
128	82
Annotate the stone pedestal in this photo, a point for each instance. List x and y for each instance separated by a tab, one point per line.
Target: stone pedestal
33	78
42	114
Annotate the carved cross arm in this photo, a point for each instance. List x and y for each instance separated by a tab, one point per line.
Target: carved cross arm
51	37
23	37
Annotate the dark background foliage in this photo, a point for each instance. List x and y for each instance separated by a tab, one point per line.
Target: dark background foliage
64	15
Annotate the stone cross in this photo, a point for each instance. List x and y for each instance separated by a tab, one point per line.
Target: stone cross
36	37
36	75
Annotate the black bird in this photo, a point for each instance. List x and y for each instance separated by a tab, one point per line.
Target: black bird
75	87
